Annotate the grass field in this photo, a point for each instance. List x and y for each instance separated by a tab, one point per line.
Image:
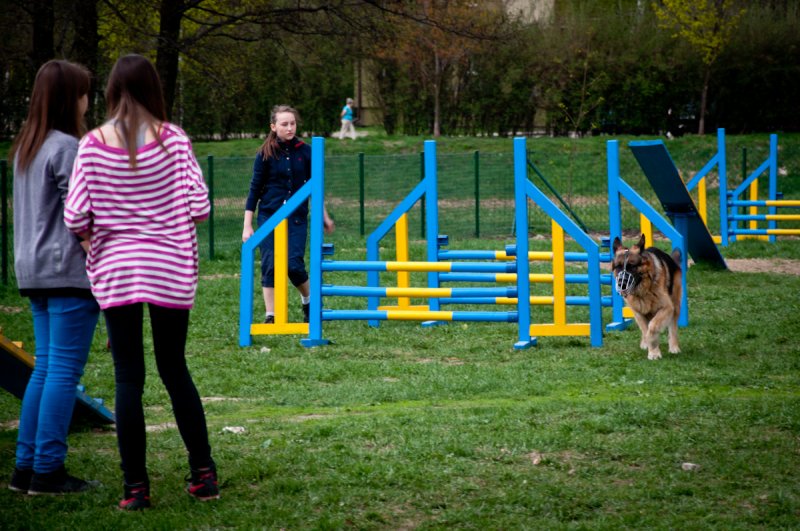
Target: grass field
403	427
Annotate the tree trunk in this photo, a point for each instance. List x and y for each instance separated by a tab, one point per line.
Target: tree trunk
43	25
85	51
168	51
701	127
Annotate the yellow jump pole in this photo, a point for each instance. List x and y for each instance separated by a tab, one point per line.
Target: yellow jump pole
753	210
647	229
559	279
702	206
281	324
702	200
282	273
401	242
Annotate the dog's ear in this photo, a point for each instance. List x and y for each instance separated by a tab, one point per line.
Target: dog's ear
616	245
676	255
641	243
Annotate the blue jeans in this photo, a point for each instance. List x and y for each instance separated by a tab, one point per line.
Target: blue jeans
63	328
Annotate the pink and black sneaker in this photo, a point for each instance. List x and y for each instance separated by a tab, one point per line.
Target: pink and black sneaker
136	497
203	483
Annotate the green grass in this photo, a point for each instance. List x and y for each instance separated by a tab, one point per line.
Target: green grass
403	427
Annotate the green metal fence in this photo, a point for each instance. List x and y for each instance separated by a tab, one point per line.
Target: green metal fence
476	194
476	197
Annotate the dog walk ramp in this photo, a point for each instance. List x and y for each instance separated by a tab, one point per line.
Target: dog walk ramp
660	170
16	367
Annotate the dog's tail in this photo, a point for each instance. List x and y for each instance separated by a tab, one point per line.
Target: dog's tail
676	256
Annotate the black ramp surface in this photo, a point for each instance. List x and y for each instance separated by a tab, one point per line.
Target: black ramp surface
666	181
16	367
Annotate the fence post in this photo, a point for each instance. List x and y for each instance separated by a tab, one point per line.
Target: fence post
5	223
477	194
361	190
211	211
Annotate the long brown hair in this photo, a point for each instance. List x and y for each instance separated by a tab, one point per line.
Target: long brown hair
270	145
57	88
134	97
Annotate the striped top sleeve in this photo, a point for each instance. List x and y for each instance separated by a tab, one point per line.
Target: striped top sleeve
142	220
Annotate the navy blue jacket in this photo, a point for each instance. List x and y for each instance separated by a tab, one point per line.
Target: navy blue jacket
277	178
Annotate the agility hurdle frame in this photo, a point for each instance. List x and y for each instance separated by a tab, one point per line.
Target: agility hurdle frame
278	223
730	202
772	203
617	189
314	190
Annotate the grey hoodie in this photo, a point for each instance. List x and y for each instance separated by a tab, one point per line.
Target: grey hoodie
46	255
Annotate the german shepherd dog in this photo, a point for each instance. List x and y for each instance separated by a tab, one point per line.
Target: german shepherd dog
650	282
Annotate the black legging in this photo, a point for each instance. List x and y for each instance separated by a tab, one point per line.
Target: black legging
170	327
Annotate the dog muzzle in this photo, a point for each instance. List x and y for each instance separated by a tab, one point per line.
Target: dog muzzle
625	280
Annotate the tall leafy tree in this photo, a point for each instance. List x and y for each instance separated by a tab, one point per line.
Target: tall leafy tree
708	26
436	37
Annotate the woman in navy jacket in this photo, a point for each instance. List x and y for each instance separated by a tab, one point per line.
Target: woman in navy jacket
281	168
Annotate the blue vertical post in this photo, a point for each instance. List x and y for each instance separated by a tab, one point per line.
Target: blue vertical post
681	224
246	285
432	217
723	187
523	266
773	181
615	226
315	251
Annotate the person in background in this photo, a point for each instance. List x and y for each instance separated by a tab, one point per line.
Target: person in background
281	168
137	192
347	121
50	266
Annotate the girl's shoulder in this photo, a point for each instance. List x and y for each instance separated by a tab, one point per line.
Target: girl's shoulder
302	147
170	129
60	139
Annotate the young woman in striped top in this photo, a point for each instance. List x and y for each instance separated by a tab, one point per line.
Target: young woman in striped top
137	192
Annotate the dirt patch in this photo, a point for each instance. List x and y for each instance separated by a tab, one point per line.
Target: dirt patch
10	425
764	265
218	276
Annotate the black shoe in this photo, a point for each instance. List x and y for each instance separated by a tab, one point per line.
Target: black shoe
306	310
136	497
203	483
270	319
56	482
21	480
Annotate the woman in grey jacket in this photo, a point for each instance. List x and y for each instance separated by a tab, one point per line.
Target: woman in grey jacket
50	265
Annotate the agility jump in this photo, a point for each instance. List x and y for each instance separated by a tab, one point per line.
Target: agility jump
655	161
739	214
518	268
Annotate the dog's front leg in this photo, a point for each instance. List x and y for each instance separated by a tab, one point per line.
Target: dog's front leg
644	327
656	326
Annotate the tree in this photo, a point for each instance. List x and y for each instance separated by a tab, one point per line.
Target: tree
707	25
85	48
434	37
183	24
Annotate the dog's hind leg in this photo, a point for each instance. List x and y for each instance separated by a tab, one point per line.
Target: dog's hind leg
674	348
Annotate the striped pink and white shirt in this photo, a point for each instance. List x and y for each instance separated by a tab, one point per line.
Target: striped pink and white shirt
141	220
